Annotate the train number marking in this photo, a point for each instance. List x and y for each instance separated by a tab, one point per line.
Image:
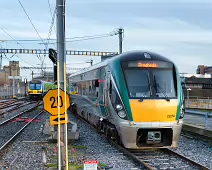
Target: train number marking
170	116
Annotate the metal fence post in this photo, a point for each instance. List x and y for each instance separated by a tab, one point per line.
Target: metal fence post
206	114
208	103
206	120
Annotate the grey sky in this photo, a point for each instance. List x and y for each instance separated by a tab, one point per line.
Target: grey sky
178	29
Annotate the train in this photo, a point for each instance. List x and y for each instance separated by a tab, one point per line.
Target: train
134	98
38	88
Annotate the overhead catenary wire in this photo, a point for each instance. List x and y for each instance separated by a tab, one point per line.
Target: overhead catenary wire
30	21
17	43
67	39
50	31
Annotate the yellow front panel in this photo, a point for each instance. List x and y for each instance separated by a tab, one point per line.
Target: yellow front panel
35	91
154	110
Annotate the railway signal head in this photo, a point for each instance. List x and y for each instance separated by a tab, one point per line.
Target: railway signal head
53	55
52	102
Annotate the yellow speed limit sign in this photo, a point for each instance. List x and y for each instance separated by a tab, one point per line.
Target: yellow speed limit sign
52	100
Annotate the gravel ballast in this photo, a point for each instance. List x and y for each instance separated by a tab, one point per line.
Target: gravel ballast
196	150
26	147
90	146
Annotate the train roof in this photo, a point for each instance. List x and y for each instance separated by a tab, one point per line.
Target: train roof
40	81
126	56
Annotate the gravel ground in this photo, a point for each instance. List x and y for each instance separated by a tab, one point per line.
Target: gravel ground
29	153
93	146
12	127
196	150
98	148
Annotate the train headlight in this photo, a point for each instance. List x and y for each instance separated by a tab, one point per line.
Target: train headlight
119	107
122	114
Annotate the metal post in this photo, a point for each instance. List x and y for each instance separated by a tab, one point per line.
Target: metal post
61	55
188	97
120	40
206	114
55	72
25	83
13	86
206	120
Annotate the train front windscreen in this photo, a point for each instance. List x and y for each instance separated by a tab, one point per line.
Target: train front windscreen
150	79
34	86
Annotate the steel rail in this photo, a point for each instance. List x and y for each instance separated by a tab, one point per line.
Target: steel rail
16	107
32	108
188	159
136	158
17	133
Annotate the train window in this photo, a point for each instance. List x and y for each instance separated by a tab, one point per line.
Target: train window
165	83
37	86
110	88
31	86
96	83
138	83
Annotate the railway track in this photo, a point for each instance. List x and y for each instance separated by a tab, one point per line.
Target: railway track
10	103
17	106
154	159
13	126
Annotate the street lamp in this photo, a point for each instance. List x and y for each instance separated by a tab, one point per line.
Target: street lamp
188	95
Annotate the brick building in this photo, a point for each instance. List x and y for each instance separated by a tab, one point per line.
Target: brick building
201	69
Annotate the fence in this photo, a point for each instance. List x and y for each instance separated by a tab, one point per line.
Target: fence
7	92
200	113
194	102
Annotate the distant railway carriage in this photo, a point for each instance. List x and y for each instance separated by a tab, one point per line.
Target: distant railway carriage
134	98
38	88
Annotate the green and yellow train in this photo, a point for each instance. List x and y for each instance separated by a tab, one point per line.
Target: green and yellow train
38	88
135	98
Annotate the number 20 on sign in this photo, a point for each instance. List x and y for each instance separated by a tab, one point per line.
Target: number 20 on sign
51	102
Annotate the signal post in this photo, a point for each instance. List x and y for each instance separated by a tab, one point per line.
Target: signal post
57	101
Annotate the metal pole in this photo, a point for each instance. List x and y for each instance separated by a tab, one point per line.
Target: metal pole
188	97
25	90
61	56
120	40
13	86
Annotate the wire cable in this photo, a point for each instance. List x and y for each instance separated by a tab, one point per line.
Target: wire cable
50	31
100	35
19	44
30	20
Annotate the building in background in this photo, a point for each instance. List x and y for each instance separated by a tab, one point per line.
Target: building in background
199	85
13	69
202	69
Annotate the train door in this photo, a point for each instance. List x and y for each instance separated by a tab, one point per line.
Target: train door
102	91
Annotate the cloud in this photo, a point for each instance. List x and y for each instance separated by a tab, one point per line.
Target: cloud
178	29
146	1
